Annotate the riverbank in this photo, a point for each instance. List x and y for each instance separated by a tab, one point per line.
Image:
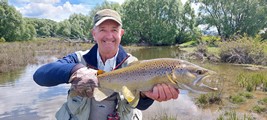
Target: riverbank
17	55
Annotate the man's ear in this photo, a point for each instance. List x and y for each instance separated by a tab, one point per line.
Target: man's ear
93	34
122	32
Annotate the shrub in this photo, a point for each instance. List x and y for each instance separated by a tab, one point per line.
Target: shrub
2	39
259	109
237	99
211	41
244	50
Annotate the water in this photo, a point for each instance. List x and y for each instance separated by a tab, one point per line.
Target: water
23	99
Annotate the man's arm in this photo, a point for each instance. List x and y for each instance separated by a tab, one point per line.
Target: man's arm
160	92
56	73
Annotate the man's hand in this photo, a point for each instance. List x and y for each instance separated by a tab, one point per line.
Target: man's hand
84	81
162	92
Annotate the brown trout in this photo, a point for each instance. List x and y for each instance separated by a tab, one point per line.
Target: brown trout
143	75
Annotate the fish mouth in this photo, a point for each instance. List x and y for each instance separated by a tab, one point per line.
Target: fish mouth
201	80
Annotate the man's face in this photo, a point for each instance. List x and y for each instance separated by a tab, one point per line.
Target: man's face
108	37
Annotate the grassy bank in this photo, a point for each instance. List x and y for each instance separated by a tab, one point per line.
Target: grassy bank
16	55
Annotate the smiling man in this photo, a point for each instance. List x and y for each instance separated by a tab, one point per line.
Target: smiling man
80	69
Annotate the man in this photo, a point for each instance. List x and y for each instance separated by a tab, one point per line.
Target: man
79	69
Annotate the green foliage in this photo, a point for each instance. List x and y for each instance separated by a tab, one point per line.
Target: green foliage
211	41
12	25
252	81
233	17
207	99
244	50
156	22
80	26
237	99
232	115
43	27
247	95
259	108
2	39
263	101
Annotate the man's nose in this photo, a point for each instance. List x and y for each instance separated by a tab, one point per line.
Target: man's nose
109	35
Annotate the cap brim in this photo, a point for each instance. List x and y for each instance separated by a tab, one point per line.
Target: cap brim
106	18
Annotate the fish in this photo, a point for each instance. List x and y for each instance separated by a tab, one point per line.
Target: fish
143	75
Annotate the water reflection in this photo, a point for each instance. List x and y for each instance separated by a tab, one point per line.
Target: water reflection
157	52
24	99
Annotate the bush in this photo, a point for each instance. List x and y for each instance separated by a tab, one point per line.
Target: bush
211	41
2	39
245	50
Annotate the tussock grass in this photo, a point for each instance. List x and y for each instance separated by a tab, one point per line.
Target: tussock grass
16	55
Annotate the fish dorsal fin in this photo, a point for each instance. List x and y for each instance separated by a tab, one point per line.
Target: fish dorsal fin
128	95
102	93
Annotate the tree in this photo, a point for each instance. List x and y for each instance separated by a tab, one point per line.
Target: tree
12	25
232	17
155	22
43	27
80	25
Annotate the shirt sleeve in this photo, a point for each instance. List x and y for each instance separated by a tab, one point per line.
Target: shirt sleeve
144	103
56	73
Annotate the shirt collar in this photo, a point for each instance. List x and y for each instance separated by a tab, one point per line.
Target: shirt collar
109	65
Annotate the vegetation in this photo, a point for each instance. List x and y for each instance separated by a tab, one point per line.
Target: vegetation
253	81
259	108
233	17
12	26
232	115
17	55
237	99
156	22
243	50
205	100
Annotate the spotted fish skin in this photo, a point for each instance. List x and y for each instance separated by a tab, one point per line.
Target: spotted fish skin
143	75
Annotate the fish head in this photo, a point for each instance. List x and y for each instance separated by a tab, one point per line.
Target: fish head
195	78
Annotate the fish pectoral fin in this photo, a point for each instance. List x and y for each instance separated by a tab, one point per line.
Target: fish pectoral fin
128	95
101	93
135	100
170	79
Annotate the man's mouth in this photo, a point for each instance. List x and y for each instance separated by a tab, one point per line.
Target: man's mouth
105	41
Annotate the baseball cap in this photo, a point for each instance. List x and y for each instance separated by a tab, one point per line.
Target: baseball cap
106	14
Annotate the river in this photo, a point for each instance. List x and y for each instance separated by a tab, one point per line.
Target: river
23	99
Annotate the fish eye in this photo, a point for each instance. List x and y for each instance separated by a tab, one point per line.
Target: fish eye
199	72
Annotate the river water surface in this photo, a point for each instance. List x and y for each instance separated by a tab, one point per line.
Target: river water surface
23	99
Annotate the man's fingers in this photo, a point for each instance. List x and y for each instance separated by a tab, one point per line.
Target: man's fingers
174	92
167	92
153	94
161	92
